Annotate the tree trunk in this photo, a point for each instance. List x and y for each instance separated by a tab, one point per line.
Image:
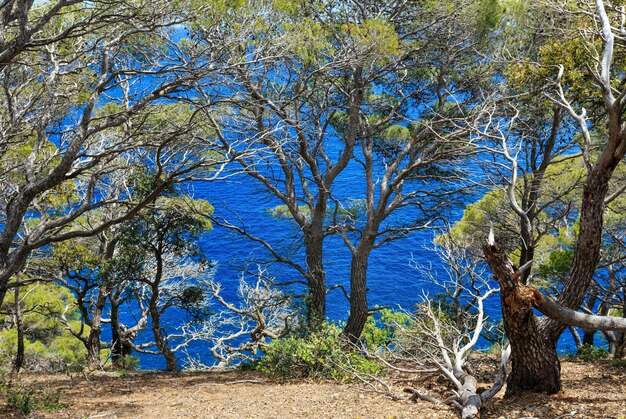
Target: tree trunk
116	344
159	338
161	342
18	361
120	347
527	248
620	337
620	346
535	365
316	304
3	292
589	334
358	293
587	251
575	336
588	337
533	341
93	340
93	348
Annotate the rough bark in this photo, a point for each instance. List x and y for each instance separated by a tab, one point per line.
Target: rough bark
316	304
535	365
358	293
587	250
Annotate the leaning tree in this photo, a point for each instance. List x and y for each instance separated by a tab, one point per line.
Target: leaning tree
533	339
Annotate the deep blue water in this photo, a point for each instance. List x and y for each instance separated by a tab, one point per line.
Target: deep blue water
392	281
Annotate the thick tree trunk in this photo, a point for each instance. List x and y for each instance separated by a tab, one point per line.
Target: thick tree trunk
535	365
93	348
316	304
358	293
587	251
533	342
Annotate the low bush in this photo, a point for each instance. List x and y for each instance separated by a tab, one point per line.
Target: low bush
26	400
618	363
317	354
590	353
381	328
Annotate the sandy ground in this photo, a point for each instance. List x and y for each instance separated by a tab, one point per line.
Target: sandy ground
591	391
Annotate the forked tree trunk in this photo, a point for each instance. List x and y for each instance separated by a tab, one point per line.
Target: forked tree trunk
535	365
533	341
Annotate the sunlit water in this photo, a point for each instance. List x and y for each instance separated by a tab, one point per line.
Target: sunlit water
392	279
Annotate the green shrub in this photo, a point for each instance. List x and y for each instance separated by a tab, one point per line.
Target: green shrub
590	353
318	354
27	400
20	400
380	329
61	353
129	363
618	363
48	345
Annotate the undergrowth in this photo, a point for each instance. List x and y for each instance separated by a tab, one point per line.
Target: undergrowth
319	354
26	400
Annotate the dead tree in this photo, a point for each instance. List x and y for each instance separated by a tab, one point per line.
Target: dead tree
238	331
444	338
442	334
447	348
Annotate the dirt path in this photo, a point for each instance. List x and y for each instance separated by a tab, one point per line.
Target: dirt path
592	391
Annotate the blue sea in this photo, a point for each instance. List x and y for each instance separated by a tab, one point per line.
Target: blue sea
393	280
